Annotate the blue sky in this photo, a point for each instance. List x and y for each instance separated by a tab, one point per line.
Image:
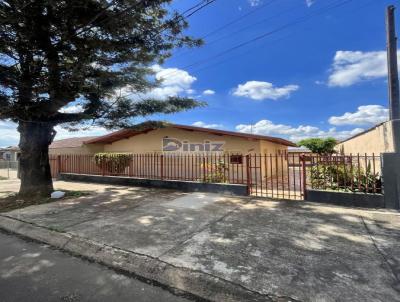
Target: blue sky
320	72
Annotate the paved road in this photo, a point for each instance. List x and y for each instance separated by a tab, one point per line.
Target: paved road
33	272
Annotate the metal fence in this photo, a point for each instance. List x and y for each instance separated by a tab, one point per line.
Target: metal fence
8	169
348	173
283	176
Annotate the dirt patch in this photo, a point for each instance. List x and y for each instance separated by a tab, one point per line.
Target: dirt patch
13	202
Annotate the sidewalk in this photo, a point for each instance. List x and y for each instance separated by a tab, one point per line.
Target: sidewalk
223	248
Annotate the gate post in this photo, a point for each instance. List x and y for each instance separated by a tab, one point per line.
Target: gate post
248	174
304	176
204	168
162	166
391	179
58	165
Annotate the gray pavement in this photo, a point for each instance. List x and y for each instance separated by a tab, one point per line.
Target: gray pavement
34	272
277	250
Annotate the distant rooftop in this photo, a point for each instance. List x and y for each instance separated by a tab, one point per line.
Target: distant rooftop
73	142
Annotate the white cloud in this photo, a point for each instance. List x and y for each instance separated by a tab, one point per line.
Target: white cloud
92	131
205	125
174	82
267	127
257	90
310	2
365	115
255	2
72	109
208	92
351	67
10	135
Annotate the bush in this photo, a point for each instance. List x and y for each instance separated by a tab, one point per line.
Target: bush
113	163
345	177
217	174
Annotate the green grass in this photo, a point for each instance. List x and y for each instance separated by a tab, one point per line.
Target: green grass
13	202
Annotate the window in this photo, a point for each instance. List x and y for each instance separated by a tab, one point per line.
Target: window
236	159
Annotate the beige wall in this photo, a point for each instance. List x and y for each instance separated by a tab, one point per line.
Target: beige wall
151	142
376	141
84	149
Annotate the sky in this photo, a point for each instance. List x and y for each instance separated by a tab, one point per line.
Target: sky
285	68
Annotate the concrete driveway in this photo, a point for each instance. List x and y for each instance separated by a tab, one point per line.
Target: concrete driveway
280	251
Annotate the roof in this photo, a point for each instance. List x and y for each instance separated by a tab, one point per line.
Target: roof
363	132
74	142
299	150
10	148
126	133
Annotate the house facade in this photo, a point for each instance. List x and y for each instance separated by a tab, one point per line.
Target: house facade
173	139
178	142
9	153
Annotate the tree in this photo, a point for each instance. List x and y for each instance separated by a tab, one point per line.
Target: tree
319	145
60	54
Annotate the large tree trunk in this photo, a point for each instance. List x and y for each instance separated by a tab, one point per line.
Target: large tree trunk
35	173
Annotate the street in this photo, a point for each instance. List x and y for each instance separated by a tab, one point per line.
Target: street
31	271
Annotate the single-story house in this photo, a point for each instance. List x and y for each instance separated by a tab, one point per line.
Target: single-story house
9	153
180	139
173	139
377	140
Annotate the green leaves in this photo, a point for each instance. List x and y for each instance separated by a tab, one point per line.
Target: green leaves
319	145
54	53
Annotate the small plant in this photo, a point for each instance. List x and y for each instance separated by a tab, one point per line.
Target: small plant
113	163
215	172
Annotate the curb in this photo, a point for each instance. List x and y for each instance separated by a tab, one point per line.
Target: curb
195	283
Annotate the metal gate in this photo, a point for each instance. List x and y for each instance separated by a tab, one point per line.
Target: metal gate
280	176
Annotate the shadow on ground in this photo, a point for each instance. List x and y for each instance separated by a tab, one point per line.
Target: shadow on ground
306	251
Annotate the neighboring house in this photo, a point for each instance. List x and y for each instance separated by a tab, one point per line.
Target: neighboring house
298	150
9	153
294	155
377	140
74	145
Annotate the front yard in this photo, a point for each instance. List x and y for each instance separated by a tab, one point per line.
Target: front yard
276	250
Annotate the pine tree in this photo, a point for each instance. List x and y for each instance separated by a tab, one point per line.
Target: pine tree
58	53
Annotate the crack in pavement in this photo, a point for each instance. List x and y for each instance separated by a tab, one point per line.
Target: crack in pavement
380	252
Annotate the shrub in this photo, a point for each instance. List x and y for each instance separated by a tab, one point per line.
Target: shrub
345	177
114	163
217	172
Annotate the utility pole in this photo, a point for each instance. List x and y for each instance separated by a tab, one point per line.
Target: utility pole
391	160
393	77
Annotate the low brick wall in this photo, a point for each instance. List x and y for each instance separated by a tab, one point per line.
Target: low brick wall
346	199
186	186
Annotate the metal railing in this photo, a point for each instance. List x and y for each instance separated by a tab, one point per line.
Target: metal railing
284	176
348	173
8	169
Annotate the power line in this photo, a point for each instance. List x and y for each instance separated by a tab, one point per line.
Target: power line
290	24
236	32
276	40
237	19
213	32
